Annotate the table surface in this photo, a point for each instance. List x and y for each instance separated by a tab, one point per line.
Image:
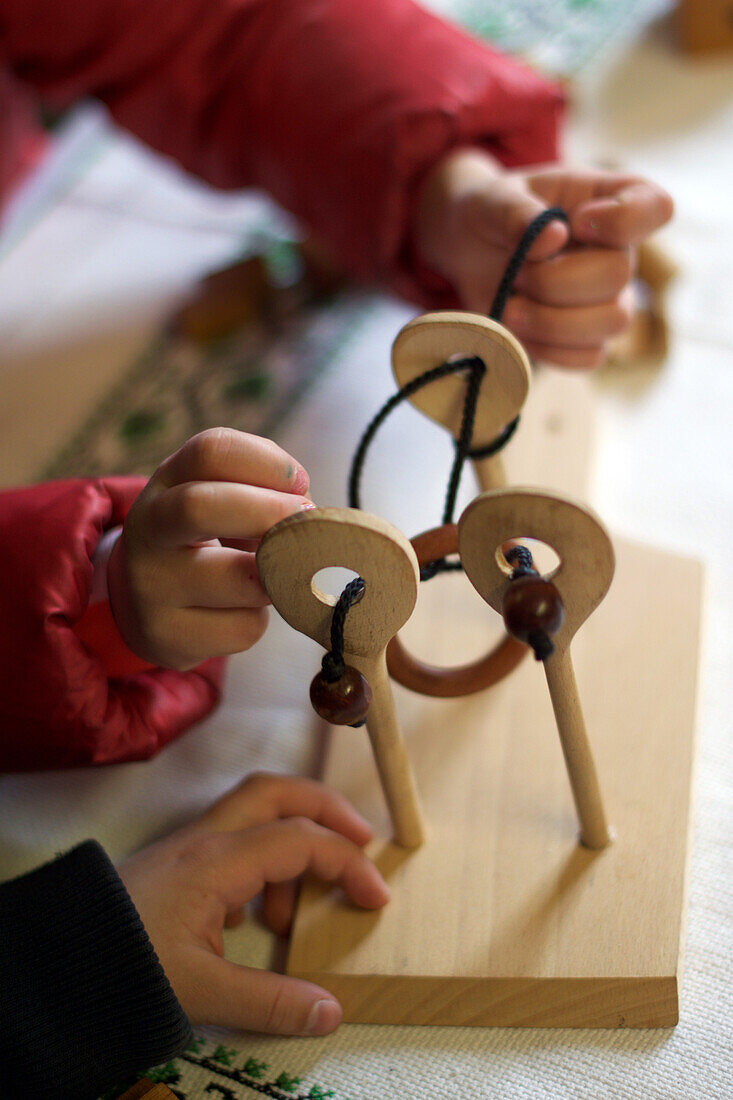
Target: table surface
663	475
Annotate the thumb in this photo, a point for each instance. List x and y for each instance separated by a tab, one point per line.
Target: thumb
243	998
501	213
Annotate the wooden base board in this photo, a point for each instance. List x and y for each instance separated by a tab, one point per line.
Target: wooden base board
554	445
501	918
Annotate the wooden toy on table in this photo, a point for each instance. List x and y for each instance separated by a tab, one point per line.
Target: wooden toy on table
421	347
580	582
289	556
435	338
495	918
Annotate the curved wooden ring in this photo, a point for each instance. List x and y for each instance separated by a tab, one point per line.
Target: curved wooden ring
448	683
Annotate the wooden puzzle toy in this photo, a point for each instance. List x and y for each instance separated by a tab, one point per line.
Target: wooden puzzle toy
498	898
551	610
289	556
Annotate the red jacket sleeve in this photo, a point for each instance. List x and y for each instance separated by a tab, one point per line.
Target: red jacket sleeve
58	708
336	107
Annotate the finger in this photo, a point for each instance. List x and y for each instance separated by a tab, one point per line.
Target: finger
572	358
223	994
500	215
572	326
243	861
624	217
223	454
234	918
577	277
218	577
278	906
202	632
201	510
262	798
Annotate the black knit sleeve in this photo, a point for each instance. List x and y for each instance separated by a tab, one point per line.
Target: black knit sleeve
84	1002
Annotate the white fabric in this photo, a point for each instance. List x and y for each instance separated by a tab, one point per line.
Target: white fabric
100	560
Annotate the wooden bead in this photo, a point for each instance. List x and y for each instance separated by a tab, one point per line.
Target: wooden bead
532	604
343	702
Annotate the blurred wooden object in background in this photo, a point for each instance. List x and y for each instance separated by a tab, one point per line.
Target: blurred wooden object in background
704	26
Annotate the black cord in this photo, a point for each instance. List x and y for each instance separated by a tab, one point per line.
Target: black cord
520	557
332	665
475	368
530	235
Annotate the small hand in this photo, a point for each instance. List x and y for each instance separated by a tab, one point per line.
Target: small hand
573	293
260	837
183	582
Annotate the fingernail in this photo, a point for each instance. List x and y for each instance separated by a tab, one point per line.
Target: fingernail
301	481
307	505
323	1018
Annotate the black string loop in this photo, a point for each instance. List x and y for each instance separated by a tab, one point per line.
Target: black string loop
455	366
333	664
520	558
475	368
530	235
497	444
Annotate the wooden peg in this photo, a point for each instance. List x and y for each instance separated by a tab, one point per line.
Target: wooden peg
289	556
582	579
434	338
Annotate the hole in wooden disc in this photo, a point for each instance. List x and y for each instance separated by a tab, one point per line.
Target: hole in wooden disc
328	584
544	559
457	356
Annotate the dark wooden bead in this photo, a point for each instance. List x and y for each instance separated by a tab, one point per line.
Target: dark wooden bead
345	701
532	604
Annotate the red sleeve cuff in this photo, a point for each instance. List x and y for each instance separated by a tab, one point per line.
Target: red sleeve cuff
61	706
97	630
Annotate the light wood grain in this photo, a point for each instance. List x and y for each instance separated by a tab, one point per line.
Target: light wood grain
434	338
288	558
582	578
554	445
501	918
554	442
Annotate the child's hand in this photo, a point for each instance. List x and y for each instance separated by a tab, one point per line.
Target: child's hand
261	836
573	293
183	583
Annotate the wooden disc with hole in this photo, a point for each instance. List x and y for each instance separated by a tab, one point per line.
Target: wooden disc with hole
432	339
448	683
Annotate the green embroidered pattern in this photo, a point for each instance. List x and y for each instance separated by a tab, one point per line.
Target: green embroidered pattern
225	1076
287	1083
224	1055
255	1068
